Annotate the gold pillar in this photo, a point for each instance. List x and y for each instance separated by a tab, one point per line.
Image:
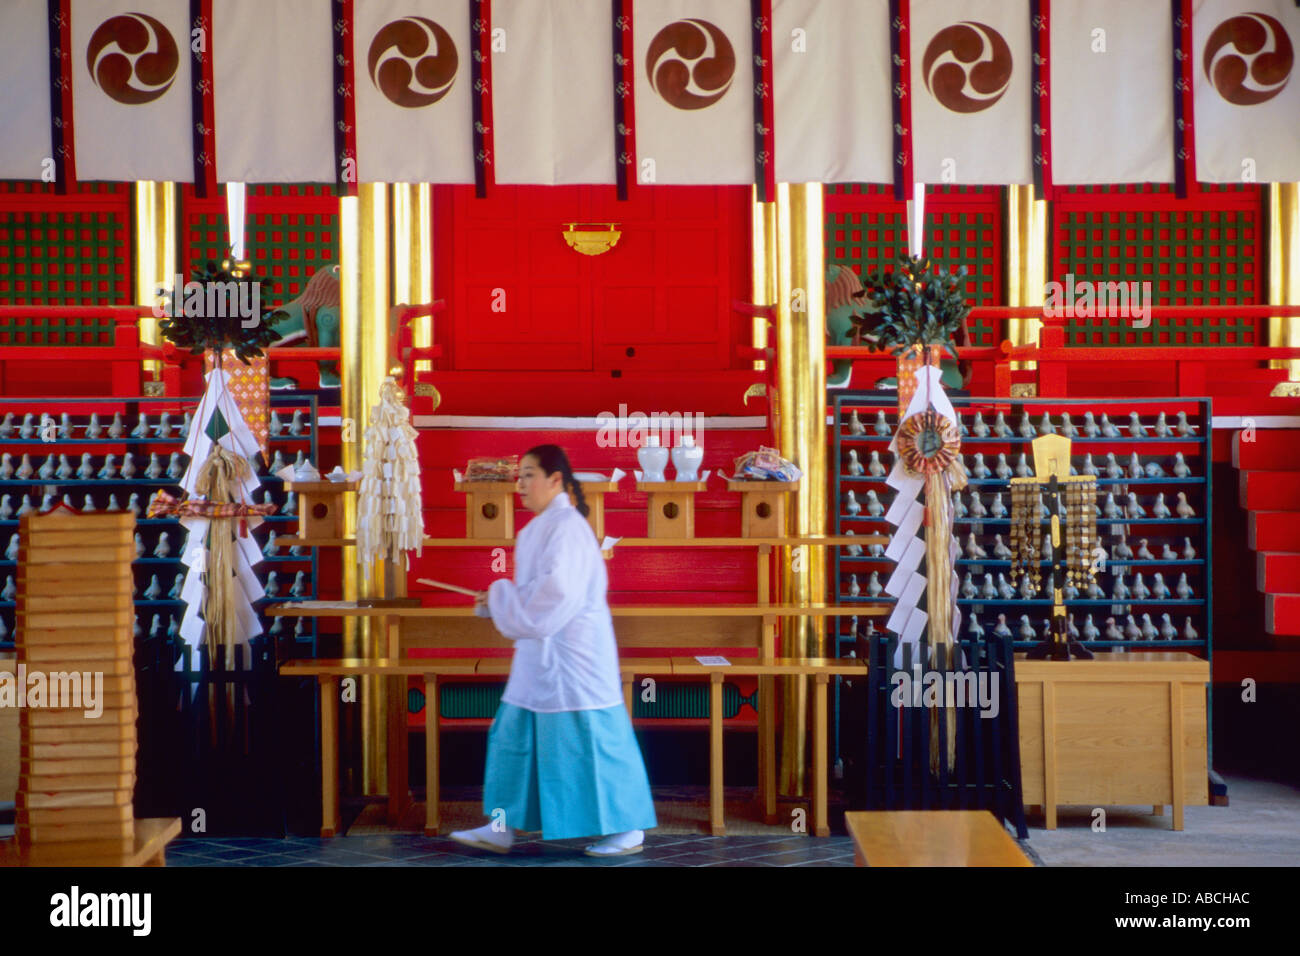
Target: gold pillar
762	287
1026	261
801	399
154	254
1284	269
413	258
363	290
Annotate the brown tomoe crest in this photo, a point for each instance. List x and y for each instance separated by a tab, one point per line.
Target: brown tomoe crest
1248	58
967	67
132	58
691	64
413	49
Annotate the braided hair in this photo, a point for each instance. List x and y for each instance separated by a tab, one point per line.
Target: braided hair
551	458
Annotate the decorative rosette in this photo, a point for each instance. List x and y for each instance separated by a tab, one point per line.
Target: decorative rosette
929	444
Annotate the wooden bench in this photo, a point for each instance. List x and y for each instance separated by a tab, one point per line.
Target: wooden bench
932	838
328	672
152	835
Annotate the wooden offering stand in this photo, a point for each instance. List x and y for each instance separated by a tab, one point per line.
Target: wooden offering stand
320	507
489	508
594	492
762	507
671	511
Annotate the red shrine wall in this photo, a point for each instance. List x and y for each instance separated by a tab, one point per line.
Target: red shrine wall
650	321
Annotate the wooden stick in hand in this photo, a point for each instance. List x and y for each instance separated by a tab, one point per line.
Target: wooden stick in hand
448	587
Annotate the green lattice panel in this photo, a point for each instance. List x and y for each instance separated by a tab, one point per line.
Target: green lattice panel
284	248
1190	257
868	240
19	331
63	258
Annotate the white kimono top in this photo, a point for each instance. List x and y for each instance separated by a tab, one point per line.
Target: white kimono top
555	610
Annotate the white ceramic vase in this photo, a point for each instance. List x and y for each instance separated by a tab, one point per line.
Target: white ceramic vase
653	459
687	458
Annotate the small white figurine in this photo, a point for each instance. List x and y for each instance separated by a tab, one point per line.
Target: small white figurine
973	549
1005	588
276	426
1184	509
1161	429
998	509
1090	632
1140	589
1159	590
979	429
874	467
28	427
874	587
291	504
1135	428
851	505
164	427
128	465
163	548
1067	426
1120	591
988	591
1107	429
1113	469
1189	553
64	471
1184	429
116	429
1143	552
882	425
139	546
1132	509
854	466
93	428
874	507
1026	426
980	470
1183	589
1000	550
1089	425
154	591
109	470
7	426
977	509
155	469
178	583
1180	466
1045	426
87	505
1149	632
272	586
299	586
1167	629
1000	427
1135	466
86	470
141	429
112	504
968	587
1002	630
1002	469
1160	509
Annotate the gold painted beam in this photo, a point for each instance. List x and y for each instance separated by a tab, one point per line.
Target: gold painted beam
801	399
413	259
364	340
1026	262
1284	269
154	255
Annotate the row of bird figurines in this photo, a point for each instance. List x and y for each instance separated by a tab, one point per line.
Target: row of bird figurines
173	628
1134	468
1120	591
66	429
61	468
976	467
1121	550
1131	631
1108	507
1090	427
9	512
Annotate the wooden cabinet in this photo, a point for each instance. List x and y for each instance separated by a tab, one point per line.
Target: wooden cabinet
1121	729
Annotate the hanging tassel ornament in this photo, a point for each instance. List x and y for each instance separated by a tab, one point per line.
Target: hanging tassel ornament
390	515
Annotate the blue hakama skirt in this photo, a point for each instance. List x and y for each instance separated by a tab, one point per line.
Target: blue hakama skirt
576	773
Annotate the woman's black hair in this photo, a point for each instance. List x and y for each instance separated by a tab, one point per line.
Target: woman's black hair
551	458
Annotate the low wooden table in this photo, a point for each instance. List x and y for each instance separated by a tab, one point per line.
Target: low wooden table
821	670
932	838
1103	732
152	835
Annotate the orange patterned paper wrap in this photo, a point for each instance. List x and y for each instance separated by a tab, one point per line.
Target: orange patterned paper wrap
908	363
250	386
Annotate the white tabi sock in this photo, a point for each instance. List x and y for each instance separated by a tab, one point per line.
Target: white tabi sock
618	842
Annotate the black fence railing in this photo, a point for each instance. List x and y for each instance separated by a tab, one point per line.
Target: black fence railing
231	750
891	710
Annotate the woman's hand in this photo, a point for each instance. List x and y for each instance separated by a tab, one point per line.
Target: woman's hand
481	604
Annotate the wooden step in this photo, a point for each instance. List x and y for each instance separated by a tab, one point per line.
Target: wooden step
1277	572
1274	531
1282	614
1270	449
1269	491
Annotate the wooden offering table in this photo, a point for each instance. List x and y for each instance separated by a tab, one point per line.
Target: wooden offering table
147	848
932	838
1120	729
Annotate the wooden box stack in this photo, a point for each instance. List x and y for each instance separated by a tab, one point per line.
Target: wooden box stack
74	615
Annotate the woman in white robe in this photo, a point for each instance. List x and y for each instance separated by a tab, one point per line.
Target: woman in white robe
562	757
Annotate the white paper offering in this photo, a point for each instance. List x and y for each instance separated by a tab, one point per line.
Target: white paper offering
713	661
